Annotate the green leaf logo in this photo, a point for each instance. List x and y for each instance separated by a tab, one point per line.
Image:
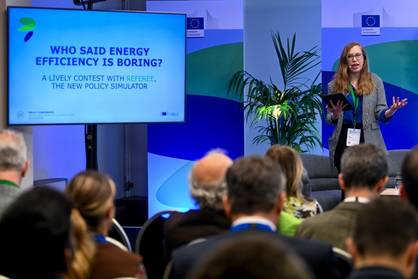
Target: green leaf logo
28	24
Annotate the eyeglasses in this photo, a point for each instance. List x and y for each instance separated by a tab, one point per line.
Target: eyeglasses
357	56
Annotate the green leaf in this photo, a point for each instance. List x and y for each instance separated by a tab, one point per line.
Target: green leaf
28	24
27	21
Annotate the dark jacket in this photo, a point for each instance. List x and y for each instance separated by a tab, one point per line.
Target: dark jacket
182	228
318	256
376	272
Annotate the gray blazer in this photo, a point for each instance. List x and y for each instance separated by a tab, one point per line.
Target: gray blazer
373	105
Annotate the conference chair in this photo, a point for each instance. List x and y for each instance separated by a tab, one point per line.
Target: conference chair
118	233
150	244
343	262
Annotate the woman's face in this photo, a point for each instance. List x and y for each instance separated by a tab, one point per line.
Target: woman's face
355	59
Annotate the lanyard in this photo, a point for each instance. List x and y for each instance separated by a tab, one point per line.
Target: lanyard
8	183
99	238
355	103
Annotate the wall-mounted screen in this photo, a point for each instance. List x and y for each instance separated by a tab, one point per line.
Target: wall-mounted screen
74	66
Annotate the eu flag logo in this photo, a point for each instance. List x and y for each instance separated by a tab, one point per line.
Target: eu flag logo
370	21
195	23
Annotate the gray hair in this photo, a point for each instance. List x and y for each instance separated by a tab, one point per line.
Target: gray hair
209	194
12	150
253	184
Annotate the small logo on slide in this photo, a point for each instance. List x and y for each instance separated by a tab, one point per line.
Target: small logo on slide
28	24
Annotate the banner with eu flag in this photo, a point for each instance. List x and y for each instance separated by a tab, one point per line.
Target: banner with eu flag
195	27
370	25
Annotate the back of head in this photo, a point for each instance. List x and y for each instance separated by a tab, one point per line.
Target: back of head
207	180
363	165
254	184
12	151
92	194
291	164
409	172
241	258
385	227
34	233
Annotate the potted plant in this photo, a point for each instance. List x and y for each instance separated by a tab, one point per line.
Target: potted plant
284	115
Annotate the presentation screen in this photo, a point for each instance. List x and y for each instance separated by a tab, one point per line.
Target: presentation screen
74	66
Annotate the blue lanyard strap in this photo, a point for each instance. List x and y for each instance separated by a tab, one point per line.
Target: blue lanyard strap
99	238
254	226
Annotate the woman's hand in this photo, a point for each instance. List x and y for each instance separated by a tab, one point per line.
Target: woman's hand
336	109
397	103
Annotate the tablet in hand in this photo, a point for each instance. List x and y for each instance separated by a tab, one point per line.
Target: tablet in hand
335	98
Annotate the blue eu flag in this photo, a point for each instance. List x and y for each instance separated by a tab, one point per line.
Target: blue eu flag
370	21
195	23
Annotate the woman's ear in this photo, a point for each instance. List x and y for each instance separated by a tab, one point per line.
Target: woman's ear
110	213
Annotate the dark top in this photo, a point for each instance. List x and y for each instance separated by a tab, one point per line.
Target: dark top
350	115
318	256
356	113
182	228
376	272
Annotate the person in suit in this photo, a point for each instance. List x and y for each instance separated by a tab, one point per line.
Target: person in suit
13	166
409	186
366	93
364	173
254	199
409	173
36	235
275	262
207	188
384	240
92	194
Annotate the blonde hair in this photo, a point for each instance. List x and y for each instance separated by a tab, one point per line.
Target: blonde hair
84	248
92	194
342	76
291	164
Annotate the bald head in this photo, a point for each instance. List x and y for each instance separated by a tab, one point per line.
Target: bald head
207	179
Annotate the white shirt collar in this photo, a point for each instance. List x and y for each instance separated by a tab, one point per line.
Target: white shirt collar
357	199
254	219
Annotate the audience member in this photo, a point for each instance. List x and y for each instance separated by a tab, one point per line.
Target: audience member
255	197
92	194
207	187
409	186
409	174
383	244
275	261
84	248
296	207
363	176
13	166
35	235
